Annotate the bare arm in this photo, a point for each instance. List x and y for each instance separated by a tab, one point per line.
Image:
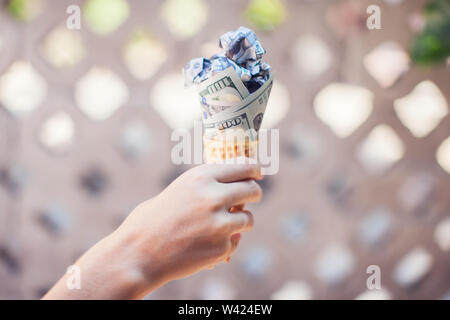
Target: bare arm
185	229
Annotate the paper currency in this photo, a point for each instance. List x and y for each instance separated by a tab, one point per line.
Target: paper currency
242	46
234	88
242	51
221	92
246	115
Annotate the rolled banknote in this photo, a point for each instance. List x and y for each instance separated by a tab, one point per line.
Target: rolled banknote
234	88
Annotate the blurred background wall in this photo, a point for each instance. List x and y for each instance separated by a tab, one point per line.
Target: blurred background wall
86	117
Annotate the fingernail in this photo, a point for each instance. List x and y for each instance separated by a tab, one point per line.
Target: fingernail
236	237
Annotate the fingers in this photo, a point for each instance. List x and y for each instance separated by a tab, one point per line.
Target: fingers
235	238
240	221
235	223
230	172
239	193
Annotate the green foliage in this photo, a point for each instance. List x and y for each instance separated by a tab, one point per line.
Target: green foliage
24	10
266	14
433	45
105	16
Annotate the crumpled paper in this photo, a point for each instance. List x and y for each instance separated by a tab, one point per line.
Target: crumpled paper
242	51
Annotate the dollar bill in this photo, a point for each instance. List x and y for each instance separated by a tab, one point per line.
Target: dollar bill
233	86
221	91
245	115
242	51
224	86
242	46
196	71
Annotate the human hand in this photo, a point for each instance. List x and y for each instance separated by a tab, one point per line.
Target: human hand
194	224
189	226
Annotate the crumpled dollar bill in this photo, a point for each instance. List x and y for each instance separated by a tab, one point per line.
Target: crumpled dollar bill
242	51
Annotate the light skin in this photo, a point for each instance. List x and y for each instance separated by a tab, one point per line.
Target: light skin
194	224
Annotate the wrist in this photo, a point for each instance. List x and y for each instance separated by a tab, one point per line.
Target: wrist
139	255
111	269
124	262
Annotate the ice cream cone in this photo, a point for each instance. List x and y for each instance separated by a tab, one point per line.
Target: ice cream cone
233	132
218	151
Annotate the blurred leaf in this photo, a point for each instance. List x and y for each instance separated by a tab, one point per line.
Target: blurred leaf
24	10
433	45
266	14
105	16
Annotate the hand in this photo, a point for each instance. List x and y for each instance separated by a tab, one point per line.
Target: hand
189	227
194	224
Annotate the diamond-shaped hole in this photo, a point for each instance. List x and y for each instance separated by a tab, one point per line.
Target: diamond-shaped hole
135	140
105	16
375	227
443	155
422	109
100	93
379	294
293	290
177	106
416	194
304	143
311	56
22	89
184	18
217	289
57	132
334	264
256	262
442	234
413	267
386	63
63	48
380	149
343	107
55	219
143	55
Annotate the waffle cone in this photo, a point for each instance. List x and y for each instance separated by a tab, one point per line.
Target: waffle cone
233	132
220	150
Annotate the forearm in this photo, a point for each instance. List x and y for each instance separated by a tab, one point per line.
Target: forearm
185	229
109	270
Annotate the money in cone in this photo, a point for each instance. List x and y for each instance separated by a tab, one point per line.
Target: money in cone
232	116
